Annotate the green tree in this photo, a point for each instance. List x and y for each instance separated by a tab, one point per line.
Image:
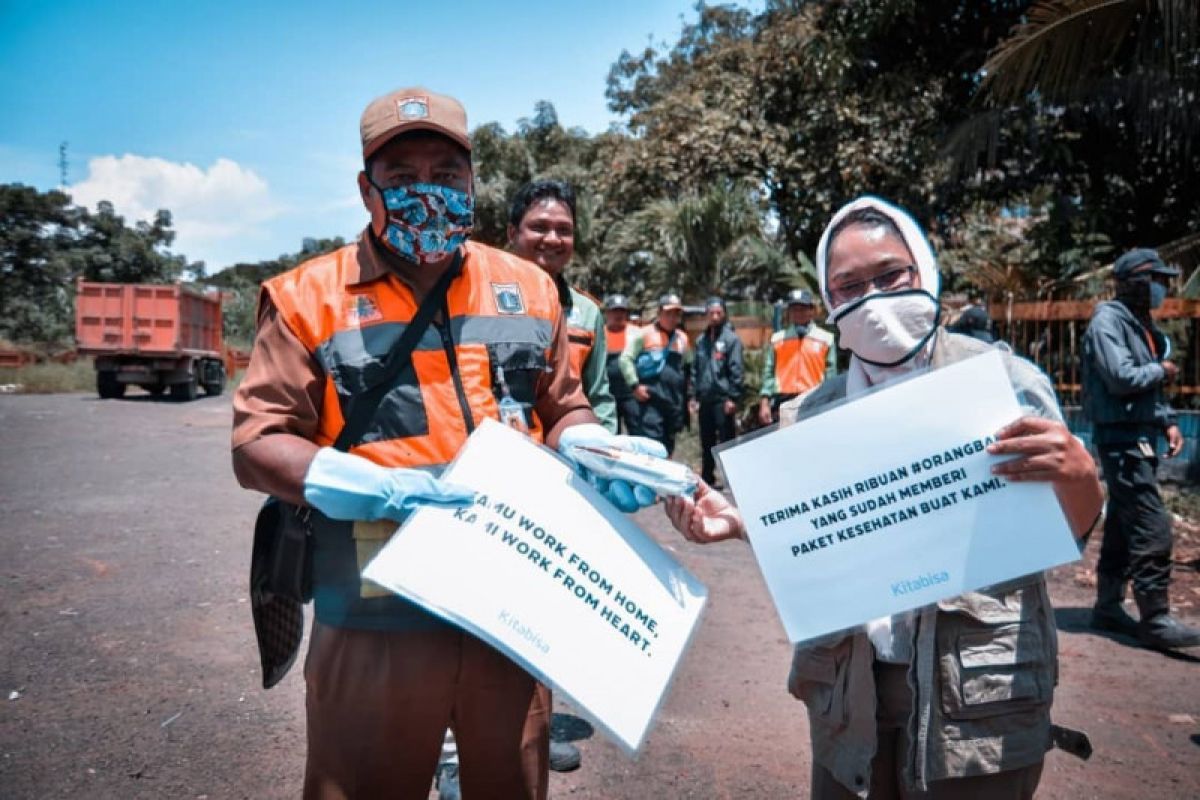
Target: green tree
38	264
701	244
113	252
1112	87
241	285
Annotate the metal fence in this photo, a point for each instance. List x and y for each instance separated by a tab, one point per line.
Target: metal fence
1051	335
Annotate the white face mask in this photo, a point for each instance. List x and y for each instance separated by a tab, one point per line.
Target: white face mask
888	329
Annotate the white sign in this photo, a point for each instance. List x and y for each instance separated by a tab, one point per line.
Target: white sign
887	503
551	574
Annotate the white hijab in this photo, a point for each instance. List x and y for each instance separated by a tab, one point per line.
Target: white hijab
863	375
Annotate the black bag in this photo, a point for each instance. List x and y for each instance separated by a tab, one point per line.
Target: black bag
280	585
281	560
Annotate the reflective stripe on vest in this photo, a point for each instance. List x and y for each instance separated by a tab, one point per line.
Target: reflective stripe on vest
502	315
582	341
800	362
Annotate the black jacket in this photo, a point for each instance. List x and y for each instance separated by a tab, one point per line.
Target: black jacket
717	369
1122	377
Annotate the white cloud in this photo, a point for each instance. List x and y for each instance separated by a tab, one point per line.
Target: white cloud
212	210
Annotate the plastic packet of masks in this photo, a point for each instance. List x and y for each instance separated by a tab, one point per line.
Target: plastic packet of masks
664	476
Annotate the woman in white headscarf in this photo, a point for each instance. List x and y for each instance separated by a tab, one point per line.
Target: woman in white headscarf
951	700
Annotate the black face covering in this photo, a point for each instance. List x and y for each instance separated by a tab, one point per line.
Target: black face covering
1134	294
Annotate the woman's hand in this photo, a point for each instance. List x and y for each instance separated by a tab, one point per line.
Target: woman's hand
1046	451
706	517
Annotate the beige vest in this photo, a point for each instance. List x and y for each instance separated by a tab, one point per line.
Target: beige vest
985	663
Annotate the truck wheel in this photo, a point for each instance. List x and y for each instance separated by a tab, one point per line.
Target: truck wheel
216	383
188	390
107	385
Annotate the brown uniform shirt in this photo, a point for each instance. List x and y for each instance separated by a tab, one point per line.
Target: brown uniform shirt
283	388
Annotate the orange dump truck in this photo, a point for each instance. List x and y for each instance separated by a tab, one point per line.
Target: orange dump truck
156	336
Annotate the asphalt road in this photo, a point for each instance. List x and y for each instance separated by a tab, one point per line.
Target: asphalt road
128	668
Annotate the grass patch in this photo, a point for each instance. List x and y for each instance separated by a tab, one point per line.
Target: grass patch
50	378
687	447
1182	499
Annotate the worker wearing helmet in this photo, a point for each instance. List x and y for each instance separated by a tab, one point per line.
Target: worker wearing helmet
655	364
617	328
798	357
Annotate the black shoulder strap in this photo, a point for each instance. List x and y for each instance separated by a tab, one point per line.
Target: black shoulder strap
362	406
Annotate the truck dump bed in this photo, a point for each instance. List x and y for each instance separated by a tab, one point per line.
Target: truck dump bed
146	319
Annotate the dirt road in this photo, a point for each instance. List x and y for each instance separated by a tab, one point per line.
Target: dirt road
128	668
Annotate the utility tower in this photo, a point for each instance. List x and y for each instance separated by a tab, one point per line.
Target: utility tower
62	166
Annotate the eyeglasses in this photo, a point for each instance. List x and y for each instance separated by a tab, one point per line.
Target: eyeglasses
890	281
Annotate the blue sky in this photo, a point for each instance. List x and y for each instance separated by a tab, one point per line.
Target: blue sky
242	117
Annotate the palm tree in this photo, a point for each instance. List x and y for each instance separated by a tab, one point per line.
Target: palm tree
1067	50
1133	60
1118	63
711	242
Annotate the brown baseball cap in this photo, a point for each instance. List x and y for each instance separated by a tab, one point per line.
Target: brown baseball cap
412	109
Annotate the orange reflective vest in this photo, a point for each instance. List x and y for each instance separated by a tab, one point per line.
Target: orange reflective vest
654	339
658	362
580	335
582	343
501	318
800	361
498	321
615	340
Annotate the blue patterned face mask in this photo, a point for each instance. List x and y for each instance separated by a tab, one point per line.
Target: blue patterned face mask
425	221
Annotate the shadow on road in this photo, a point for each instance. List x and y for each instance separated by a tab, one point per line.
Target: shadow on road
1078	620
144	397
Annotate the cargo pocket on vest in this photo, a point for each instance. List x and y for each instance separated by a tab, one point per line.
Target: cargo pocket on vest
355	377
995	671
523	364
369	539
819	678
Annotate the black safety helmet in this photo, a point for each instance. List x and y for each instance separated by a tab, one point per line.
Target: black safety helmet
801	297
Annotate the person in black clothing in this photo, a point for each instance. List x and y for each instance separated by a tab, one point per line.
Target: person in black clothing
616	328
717	384
1125	365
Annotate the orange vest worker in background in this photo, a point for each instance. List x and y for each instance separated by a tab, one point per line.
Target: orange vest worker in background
798	358
617	329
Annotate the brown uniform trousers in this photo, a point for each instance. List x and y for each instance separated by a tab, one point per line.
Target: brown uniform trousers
379	703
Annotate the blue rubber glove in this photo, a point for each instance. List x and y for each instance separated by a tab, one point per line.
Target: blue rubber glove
345	486
624	495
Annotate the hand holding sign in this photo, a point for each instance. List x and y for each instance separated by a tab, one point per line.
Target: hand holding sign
899	516
547	572
1047	451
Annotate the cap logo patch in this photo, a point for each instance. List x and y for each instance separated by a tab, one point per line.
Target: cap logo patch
508	298
413	107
